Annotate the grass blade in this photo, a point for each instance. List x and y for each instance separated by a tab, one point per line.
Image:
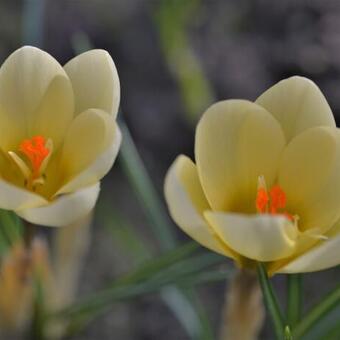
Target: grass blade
317	313
294	299
142	185
271	301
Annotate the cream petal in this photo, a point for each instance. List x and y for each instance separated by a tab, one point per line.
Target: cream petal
95	81
90	135
309	174
32	85
298	104
97	170
323	256
64	210
13	197
186	202
55	112
258	237
236	142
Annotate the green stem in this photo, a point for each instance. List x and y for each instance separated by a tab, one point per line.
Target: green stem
294	304
271	301
316	314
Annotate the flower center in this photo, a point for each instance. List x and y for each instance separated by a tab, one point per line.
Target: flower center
272	202
37	152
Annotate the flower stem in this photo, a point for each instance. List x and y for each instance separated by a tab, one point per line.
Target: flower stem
294	303
271	302
316	314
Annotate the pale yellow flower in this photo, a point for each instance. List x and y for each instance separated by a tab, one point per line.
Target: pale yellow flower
266	184
58	134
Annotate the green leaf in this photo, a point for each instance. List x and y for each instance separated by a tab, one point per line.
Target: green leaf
332	333
123	234
271	302
172	18
288	334
142	185
317	313
11	230
294	299
163	271
156	214
39	312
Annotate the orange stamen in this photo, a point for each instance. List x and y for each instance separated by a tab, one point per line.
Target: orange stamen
262	200
35	150
274	203
278	199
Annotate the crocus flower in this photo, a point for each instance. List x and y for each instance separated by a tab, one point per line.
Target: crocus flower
266	183
58	134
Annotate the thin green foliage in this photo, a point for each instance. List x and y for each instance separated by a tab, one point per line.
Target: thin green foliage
165	270
271	302
39	313
294	299
171	18
123	233
142	185
11	230
317	313
288	334
162	228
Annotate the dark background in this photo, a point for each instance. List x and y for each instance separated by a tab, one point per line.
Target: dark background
174	59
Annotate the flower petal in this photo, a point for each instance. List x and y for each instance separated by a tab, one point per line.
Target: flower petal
323	256
186	203
65	210
95	81
89	149
98	169
258	237
55	112
13	197
310	176
236	142
298	104
33	86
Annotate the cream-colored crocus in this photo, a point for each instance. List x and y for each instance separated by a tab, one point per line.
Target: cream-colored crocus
58	134
266	183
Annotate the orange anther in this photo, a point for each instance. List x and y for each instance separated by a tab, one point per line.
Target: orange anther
277	199
272	203
36	151
262	200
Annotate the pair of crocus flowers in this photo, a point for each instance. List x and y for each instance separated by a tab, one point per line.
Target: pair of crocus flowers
266	186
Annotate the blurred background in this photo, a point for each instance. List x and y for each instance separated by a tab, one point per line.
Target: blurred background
174	59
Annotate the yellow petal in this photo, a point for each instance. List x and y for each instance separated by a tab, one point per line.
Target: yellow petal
98	169
55	112
325	255
310	176
90	135
95	81
186	204
298	104
236	142
13	197
65	209
32	85
258	237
